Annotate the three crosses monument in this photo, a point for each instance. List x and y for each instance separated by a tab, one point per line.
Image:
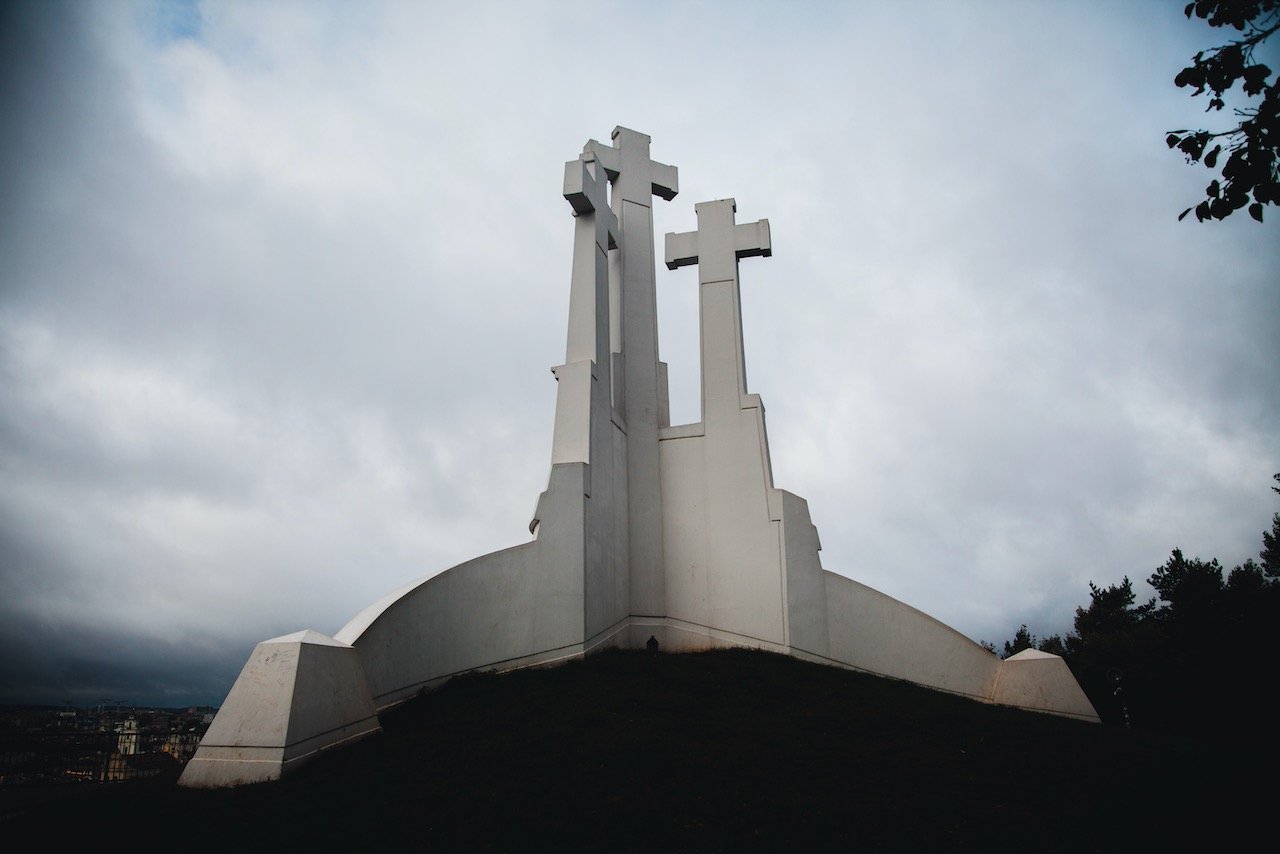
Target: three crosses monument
646	530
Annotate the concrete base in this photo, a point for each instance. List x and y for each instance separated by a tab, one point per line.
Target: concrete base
297	695
1041	682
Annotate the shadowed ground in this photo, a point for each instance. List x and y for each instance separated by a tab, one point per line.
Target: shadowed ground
729	750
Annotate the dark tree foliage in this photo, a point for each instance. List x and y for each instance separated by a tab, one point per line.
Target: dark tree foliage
1247	155
1188	589
1110	610
1197	658
1054	644
1022	639
1112	649
1271	544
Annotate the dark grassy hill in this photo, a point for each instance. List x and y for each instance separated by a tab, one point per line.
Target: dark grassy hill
730	750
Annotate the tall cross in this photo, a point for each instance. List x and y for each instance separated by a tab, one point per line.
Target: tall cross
716	247
634	322
582	391
636	180
595	233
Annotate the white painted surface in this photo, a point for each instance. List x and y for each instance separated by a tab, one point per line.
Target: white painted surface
645	529
879	634
636	180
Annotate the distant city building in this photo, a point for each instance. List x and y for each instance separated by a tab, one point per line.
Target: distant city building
127	736
100	744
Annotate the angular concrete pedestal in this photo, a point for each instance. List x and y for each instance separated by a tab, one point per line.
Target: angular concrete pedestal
297	695
1042	682
647	529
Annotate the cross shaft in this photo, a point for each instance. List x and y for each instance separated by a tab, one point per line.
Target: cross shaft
716	247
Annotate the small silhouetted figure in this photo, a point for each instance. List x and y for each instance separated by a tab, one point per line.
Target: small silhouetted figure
651	644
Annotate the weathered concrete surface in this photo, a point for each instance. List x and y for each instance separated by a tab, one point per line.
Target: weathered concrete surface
642	397
297	695
1042	682
876	633
742	556
645	530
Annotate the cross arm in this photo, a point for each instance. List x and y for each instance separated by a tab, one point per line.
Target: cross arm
682	249
664	180
587	193
750	239
582	190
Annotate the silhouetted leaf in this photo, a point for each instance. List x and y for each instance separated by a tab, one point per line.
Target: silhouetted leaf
1182	215
1255	211
1255	79
1252	145
1232	167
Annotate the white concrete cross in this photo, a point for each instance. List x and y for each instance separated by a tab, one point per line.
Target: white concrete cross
718	243
716	247
636	178
633	323
588	192
595	233
639	393
581	410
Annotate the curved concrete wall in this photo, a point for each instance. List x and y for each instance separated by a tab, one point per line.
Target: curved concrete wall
879	634
519	605
807	622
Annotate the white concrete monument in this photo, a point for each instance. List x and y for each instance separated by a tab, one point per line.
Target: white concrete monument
646	530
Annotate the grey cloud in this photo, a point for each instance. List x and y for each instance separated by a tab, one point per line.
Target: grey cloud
296	278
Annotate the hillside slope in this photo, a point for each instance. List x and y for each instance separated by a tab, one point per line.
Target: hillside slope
726	750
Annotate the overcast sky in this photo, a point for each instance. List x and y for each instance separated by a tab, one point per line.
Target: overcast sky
281	285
